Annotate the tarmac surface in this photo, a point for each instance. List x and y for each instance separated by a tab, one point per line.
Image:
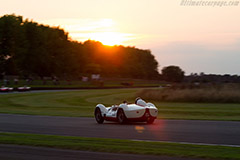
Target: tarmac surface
184	131
189	131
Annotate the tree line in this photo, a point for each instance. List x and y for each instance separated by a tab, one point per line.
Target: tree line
211	78
31	49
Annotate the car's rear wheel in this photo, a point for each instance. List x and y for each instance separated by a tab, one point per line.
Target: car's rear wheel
98	116
121	116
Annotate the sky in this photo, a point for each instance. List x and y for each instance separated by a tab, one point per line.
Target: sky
197	35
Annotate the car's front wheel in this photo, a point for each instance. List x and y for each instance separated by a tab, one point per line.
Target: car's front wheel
98	116
121	116
150	120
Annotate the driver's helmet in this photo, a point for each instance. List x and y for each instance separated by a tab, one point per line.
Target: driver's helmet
137	99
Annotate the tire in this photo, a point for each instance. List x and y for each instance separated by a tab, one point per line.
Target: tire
150	120
121	116
98	116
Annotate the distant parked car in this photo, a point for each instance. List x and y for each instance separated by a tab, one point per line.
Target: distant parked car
23	89
6	89
127	83
138	112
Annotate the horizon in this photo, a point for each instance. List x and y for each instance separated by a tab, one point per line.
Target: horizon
195	38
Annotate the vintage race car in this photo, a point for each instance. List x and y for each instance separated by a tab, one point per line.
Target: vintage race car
6	89
138	112
23	89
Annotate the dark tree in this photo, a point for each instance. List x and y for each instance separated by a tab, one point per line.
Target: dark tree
31	49
11	42
172	74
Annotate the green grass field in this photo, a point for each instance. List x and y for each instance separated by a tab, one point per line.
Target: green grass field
111	82
81	103
122	146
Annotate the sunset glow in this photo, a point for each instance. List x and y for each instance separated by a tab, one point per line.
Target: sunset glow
109	38
188	37
102	30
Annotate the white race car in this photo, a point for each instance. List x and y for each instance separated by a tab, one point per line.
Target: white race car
23	89
6	89
138	112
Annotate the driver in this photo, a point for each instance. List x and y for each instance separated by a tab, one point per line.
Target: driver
140	102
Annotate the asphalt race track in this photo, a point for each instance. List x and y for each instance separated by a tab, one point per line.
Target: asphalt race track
190	131
208	132
14	152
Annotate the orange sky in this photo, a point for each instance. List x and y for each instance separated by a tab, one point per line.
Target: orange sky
197	38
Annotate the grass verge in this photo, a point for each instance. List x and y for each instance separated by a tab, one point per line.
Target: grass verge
121	146
225	93
110	82
81	103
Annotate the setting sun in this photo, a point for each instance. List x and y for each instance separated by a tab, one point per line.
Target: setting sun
103	30
109	38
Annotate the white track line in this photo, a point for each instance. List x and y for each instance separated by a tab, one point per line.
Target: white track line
202	144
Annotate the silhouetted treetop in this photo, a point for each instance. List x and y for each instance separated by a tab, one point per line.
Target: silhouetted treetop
172	74
31	49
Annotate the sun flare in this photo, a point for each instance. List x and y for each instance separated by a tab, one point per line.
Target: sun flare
104	30
109	38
